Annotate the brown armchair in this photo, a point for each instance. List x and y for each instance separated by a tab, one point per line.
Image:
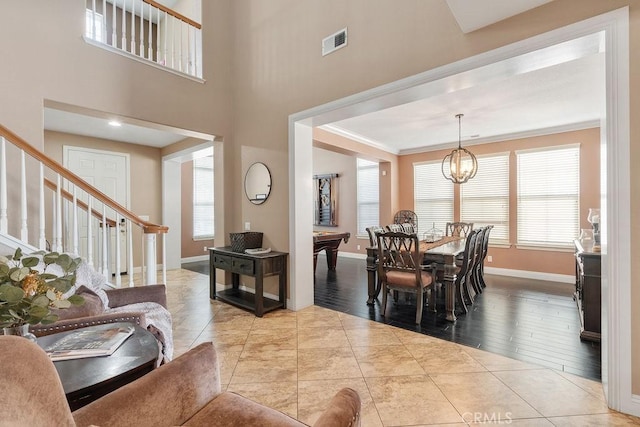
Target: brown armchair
185	391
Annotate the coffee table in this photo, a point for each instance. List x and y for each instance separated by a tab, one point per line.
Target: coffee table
85	380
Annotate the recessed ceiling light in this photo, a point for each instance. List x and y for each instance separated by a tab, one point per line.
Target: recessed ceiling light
115	123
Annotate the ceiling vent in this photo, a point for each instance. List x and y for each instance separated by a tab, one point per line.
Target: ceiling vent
334	42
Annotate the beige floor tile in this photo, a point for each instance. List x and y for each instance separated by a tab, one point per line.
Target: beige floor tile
327	363
232	321
364	337
530	422
591	386
409	337
443	357
411	400
353	322
319	319
272	339
314	397
257	366
482	395
386	361
612	419
226	340
227	360
496	362
278	319
550	393
281	396
322	338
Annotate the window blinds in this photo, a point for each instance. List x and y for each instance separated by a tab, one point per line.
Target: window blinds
484	200
203	200
548	196
368	195
433	197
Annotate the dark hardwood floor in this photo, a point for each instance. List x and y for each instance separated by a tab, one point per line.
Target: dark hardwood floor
529	320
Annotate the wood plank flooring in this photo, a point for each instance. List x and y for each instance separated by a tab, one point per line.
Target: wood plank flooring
529	320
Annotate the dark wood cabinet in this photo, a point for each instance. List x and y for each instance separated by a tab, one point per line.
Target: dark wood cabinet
258	266
588	290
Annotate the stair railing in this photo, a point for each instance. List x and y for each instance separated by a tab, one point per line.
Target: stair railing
68	211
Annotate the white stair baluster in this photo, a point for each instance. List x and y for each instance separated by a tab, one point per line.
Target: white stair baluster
142	49
42	239
24	228
105	237
104	21
124	24
150	36
133	27
74	214
164	258
166	38
118	250
173	43
53	222
94	32
58	223
89	232
3	186
130	252
189	58
180	41
114	34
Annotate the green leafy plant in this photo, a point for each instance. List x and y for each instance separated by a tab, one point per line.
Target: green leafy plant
27	296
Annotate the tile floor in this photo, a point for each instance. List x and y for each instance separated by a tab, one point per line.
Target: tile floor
296	361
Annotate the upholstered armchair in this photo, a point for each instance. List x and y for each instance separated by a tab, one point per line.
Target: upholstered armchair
185	391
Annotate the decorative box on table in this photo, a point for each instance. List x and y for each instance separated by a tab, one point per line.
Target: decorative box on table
246	240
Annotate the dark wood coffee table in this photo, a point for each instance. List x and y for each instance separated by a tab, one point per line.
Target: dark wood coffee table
85	380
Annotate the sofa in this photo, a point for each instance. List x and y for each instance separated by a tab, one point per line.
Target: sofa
185	391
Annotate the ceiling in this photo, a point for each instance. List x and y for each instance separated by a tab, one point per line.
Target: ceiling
546	91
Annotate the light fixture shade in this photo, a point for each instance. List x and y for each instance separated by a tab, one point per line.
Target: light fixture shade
460	165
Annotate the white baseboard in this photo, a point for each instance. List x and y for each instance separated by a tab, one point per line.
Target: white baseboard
634	406
194	258
535	275
352	255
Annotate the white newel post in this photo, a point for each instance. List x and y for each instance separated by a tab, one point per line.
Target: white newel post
58	223
42	239
164	258
118	249
130	252
74	213
3	186
89	232
150	258
105	250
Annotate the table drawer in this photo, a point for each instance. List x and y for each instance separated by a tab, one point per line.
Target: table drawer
243	266
223	262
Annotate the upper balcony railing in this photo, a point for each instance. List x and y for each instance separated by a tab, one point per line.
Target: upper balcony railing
147	30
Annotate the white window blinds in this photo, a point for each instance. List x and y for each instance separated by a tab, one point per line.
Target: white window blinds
203	200
549	196
368	196
433	197
484	200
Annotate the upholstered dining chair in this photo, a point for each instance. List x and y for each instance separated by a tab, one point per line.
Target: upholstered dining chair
373	235
479	268
463	277
395	228
406	216
400	268
458	229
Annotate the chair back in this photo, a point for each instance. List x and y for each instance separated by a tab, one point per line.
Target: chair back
468	256
406	217
399	252
458	229
395	228
373	235
33	394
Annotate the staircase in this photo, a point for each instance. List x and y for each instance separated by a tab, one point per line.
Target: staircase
44	206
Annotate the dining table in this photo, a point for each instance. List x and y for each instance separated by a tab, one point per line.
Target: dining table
443	252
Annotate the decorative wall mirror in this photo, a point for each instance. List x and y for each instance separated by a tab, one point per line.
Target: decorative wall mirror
257	183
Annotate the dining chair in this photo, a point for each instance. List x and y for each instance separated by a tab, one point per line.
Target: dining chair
394	228
406	217
463	278
479	269
373	232
458	229
475	262
400	268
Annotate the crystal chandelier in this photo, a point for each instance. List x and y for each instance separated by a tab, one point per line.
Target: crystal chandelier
460	165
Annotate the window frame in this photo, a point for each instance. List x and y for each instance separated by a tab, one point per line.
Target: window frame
195	204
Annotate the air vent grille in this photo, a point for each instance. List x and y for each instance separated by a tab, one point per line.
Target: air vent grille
334	42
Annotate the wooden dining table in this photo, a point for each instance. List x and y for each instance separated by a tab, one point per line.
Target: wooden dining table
443	252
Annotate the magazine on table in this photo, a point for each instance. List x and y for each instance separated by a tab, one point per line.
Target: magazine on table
89	343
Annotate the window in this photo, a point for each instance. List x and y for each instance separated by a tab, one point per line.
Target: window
368	196
433	197
203	201
484	199
549	196
94	28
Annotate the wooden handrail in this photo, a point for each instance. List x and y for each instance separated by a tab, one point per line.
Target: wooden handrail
147	227
65	194
174	13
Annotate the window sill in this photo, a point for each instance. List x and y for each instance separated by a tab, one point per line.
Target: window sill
568	249
200	239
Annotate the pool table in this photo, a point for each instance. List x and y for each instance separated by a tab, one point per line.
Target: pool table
329	241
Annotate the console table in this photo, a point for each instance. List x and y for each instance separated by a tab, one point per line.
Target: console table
258	266
588	290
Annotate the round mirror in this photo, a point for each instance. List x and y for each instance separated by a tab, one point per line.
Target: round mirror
257	183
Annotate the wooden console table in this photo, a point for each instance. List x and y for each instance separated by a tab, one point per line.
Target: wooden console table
588	290
258	266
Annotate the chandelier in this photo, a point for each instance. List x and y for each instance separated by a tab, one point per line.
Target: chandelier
460	165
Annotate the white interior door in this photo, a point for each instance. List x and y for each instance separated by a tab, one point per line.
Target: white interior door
108	171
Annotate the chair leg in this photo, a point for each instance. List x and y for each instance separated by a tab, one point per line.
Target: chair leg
419	305
385	291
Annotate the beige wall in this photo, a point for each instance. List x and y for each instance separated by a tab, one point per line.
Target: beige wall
262	64
190	247
513	258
